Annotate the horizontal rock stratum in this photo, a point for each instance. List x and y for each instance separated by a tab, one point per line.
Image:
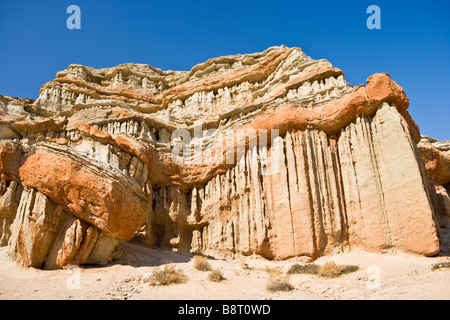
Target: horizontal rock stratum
270	153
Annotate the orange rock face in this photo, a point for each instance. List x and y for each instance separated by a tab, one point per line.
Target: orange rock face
436	159
270	153
91	196
10	159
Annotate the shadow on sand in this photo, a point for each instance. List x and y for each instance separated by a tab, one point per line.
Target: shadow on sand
136	255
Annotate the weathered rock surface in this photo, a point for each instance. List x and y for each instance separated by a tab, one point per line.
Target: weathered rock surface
436	158
91	163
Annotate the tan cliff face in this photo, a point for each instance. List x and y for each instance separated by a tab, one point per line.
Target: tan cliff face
436	158
91	163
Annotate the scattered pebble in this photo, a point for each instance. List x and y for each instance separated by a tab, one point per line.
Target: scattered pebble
146	277
412	272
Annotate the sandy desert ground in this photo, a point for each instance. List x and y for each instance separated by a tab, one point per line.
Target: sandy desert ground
402	276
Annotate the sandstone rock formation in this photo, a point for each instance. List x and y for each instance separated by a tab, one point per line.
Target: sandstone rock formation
323	165
436	157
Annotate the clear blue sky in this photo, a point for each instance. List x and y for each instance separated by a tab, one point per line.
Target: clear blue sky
413	44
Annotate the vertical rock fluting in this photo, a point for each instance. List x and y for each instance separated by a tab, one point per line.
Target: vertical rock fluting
10	187
44	235
386	200
359	188
95	161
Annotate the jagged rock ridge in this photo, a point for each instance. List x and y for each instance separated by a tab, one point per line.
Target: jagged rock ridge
90	163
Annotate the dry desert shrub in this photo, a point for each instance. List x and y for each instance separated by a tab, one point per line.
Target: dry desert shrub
202	264
166	276
332	270
279	284
304	268
273	272
328	270
216	275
